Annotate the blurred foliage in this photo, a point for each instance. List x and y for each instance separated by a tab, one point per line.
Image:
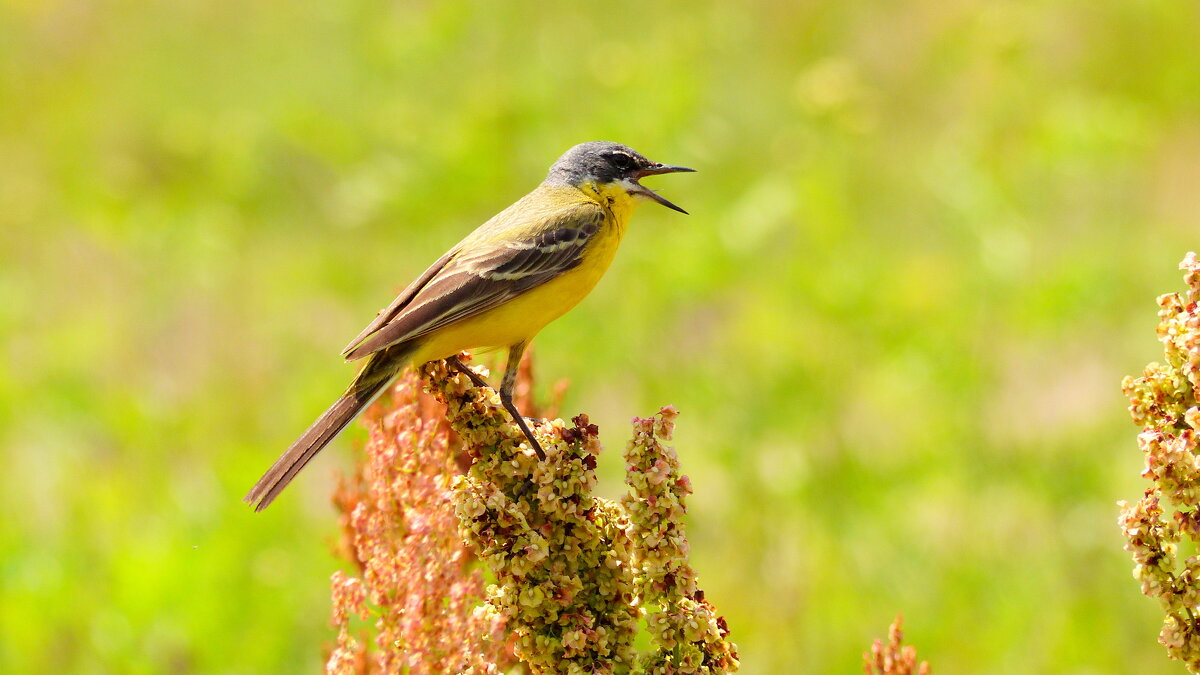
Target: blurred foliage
925	245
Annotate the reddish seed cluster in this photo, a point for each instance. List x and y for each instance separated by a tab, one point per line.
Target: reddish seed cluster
415	576
581	430
1164	402
892	658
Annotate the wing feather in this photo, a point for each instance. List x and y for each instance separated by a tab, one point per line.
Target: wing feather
474	279
388	313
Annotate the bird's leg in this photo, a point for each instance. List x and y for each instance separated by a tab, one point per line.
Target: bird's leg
506	391
462	368
510	379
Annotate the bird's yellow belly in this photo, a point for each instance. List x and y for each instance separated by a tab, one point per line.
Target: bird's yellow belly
519	319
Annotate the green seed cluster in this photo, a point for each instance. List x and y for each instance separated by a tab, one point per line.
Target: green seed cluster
688	635
560	556
574	571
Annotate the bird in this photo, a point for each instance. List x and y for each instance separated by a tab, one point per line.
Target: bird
497	288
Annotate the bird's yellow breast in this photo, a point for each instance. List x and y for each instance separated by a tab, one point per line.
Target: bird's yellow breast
520	318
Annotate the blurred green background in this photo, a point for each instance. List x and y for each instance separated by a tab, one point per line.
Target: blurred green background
924	248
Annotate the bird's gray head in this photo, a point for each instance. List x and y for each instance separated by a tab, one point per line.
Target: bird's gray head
603	163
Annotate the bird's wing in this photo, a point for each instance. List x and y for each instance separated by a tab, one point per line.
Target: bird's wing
475	278
388	313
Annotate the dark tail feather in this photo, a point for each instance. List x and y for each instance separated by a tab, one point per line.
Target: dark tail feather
379	371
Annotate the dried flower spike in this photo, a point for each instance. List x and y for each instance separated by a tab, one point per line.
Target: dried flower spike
416	578
892	658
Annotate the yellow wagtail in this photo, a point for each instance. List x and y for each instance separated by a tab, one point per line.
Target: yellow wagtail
498	287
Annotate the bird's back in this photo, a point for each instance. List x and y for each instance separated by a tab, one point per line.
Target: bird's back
521	269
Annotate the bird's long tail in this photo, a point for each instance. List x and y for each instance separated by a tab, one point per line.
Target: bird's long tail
381	368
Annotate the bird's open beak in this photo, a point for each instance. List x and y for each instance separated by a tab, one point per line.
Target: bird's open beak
655	170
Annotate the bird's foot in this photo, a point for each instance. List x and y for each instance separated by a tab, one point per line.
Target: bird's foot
506	399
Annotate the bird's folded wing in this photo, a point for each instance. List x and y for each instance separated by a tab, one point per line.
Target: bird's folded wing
473	279
388	313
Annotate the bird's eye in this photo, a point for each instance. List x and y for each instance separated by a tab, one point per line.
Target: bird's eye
621	161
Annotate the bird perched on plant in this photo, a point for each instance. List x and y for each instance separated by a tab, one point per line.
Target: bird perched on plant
498	287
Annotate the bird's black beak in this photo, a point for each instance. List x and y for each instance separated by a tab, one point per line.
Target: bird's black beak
654	170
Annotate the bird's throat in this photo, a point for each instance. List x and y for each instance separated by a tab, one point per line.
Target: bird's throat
616	199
